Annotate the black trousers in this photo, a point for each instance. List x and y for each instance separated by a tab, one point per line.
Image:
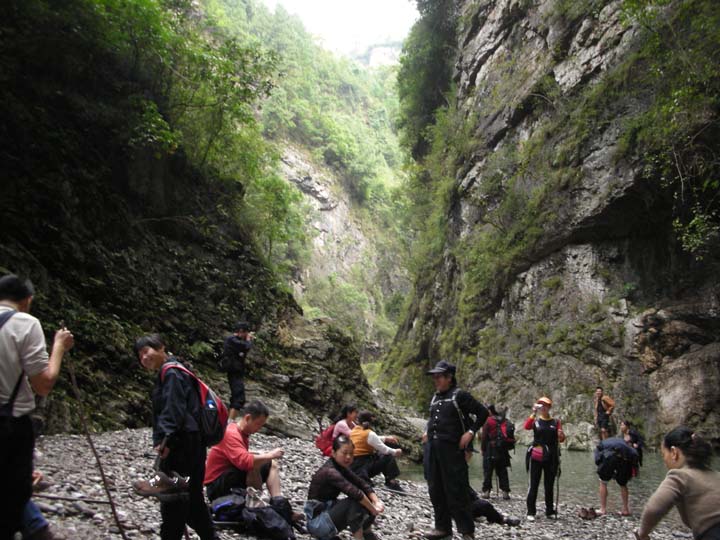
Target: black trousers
448	485
234	478
368	466
548	470
491	464
350	513
482	508
236	381
17	441
188	459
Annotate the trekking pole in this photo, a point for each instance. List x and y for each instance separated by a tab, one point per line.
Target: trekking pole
83	421
559	473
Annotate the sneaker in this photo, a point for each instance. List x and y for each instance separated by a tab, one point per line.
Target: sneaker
511	521
394	485
162	485
485	495
551	514
435	534
530	517
506	495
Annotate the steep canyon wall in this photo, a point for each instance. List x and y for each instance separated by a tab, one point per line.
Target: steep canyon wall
560	269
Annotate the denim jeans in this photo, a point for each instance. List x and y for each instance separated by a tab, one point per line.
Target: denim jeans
319	522
32	519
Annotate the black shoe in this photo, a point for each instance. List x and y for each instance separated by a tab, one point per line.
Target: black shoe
394	485
552	514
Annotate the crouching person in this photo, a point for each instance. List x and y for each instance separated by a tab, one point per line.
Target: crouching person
326	516
178	441
371	455
230	463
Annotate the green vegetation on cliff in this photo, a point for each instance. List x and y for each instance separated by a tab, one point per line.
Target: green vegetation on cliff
661	96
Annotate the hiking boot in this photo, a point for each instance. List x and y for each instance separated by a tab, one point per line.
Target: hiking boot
394	485
162	486
435	534
485	495
511	521
506	495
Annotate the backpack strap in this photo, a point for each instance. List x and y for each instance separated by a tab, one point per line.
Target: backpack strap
5	317
457	407
177	365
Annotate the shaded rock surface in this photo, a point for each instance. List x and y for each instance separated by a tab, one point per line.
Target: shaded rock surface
603	295
68	463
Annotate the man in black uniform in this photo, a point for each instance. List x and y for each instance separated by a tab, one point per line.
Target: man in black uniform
235	350
449	431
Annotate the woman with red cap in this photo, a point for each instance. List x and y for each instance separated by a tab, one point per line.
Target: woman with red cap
542	457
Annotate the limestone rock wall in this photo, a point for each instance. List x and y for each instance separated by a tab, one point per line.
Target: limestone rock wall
604	297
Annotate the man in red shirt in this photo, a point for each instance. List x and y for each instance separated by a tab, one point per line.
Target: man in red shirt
231	464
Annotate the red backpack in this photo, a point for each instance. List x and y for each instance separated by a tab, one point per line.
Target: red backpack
324	441
213	413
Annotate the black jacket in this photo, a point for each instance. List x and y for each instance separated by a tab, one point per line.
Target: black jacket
234	352
445	421
176	404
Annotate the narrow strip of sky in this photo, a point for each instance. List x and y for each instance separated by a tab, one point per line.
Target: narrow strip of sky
348	26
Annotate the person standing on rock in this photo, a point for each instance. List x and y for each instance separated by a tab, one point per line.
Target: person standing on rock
448	433
543	455
25	370
177	440
690	485
235	350
615	459
496	456
231	464
603	407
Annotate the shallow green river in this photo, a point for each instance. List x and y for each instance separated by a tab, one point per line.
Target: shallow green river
578	481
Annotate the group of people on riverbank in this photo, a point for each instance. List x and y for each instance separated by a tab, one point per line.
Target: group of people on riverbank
186	470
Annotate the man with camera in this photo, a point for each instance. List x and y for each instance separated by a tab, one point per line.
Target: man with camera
25	370
235	350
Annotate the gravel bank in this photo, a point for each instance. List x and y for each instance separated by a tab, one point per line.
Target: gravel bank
69	464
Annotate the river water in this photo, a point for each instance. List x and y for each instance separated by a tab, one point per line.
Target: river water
578	481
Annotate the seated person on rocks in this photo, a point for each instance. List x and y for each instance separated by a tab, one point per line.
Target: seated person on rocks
326	515
372	455
345	421
482	508
231	464
615	458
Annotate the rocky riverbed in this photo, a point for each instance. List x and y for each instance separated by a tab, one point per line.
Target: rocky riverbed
67	462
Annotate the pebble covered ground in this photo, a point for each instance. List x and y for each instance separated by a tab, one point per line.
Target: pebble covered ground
68	463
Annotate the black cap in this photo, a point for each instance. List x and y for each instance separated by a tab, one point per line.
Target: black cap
442	367
242	325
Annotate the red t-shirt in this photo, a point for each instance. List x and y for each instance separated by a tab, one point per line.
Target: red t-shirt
231	452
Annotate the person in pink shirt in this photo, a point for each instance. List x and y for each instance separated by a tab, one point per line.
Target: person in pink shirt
231	464
346	421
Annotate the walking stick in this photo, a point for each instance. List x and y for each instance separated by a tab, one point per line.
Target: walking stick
83	421
559	473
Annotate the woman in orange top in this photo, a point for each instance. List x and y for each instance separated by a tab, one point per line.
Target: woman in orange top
542	457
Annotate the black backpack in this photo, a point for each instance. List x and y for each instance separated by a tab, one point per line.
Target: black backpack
506	434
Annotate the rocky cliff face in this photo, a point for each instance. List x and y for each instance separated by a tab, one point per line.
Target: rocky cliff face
344	246
599	292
